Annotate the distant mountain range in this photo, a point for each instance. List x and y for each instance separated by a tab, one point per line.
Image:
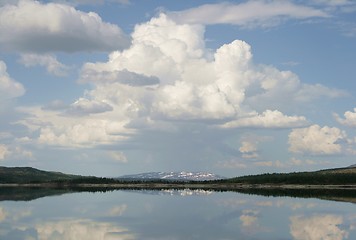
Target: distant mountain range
33	175
181	176
26	175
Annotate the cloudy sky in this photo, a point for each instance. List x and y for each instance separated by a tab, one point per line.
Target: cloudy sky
116	87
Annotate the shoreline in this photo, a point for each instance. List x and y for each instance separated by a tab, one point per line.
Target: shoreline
31	191
193	186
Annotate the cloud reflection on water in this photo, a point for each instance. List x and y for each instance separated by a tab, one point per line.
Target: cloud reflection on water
82	229
169	215
68	229
317	227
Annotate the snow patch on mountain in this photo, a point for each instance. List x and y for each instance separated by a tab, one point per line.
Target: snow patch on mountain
184	176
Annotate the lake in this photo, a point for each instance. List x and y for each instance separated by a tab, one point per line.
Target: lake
175	214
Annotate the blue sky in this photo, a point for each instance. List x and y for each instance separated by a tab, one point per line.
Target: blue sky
115	87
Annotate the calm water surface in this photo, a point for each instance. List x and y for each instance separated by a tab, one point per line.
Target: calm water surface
181	214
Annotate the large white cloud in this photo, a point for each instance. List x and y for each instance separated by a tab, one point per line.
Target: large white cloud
37	27
249	14
9	88
168	76
193	83
316	140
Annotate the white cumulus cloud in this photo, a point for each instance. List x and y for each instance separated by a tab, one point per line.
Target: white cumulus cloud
316	140
168	76
349	118
273	87
14	152
33	26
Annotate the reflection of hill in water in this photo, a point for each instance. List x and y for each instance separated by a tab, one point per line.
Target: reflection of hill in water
28	194
342	195
341	199
32	193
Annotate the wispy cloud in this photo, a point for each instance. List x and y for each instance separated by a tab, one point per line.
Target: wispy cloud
9	88
256	13
92	2
268	119
50	62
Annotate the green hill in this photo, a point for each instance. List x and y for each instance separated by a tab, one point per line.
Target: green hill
31	175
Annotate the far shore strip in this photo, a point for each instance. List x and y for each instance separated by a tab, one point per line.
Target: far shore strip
158	186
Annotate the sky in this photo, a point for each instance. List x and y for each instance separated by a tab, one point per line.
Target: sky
117	87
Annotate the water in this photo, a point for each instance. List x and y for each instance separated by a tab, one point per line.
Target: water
172	215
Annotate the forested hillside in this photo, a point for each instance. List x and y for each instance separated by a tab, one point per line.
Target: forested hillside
329	176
